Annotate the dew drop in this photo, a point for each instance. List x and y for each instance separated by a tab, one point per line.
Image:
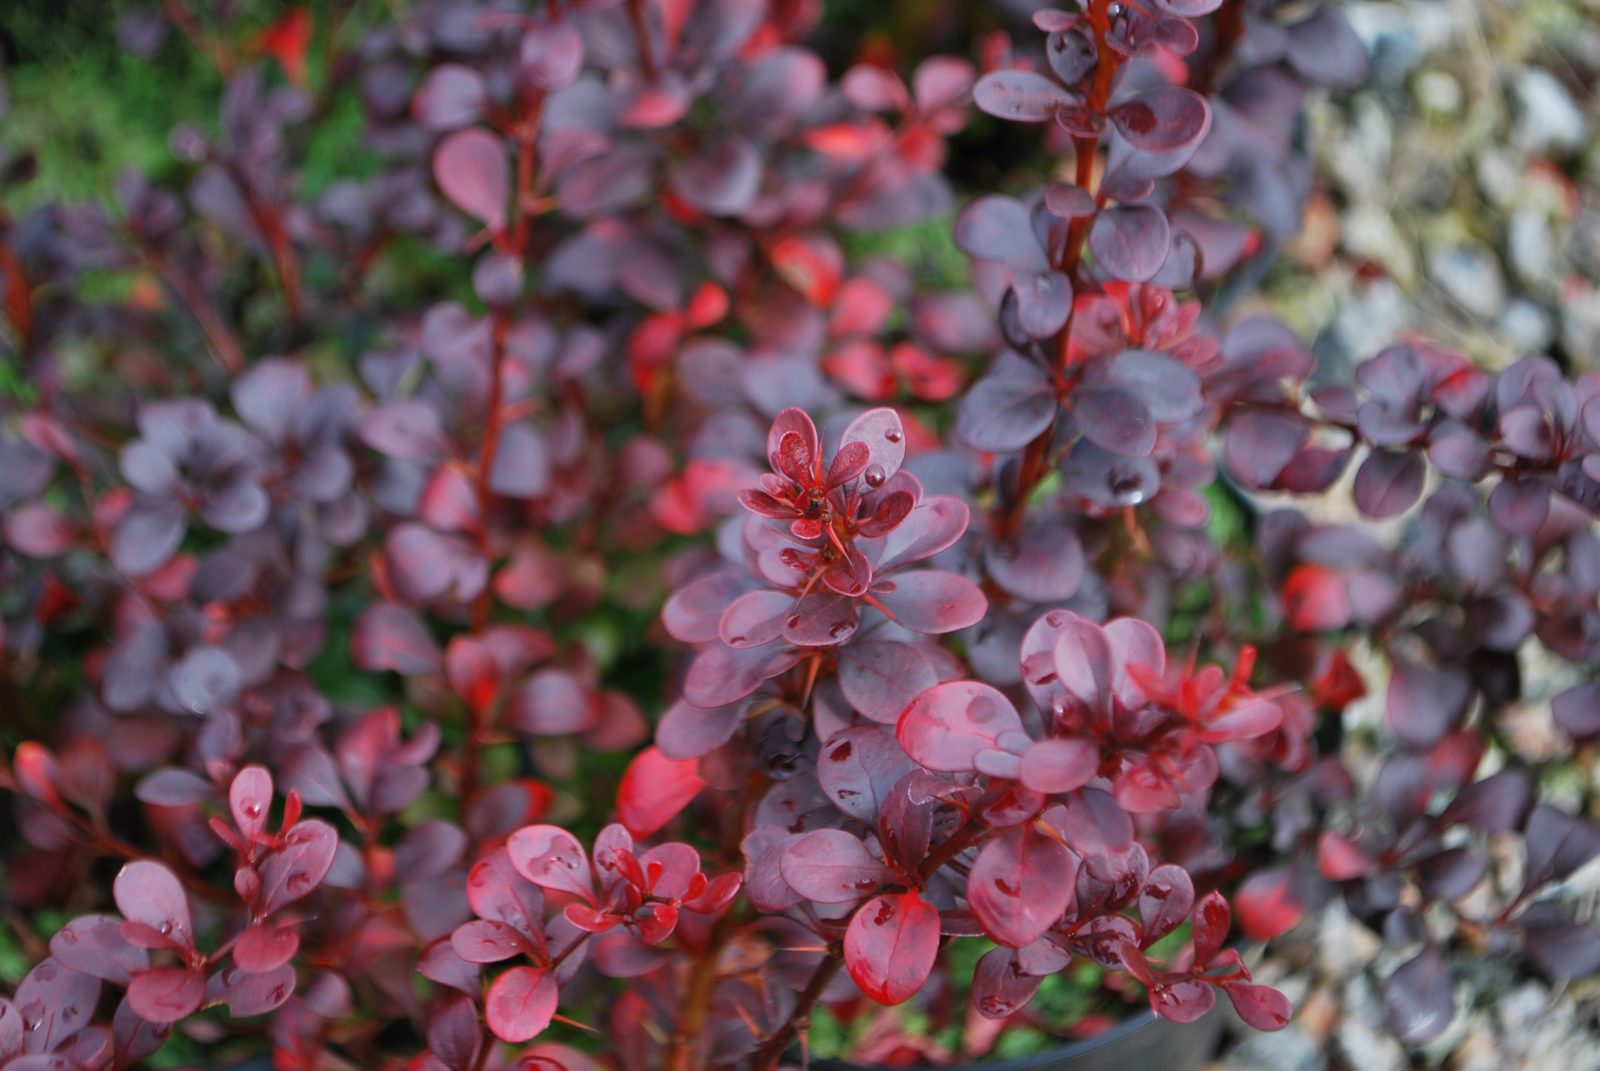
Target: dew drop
839	628
875	476
842	752
299	883
1006	887
793	622
67	937
279	992
251	809
892	435
1127	488
738	641
165	927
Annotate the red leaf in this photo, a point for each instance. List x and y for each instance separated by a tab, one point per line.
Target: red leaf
481	941
1163	120
473	672
250	798
1339	859
884	436
654	789
812	266
471	169
551	858
451	96
1212	920
1021	96
94	945
287	41
37	772
166	994
265	947
498	893
250	994
520	1004
1183	1002
299	866
1315	599
890	946
1267	904
1020	886
1165	902
392	637
38	531
946	726
1261	1006
150	895
831	866
1060	765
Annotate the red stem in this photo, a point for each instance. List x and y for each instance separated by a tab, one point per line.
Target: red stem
641	39
18	295
1036	457
477	727
276	239
527	168
227	349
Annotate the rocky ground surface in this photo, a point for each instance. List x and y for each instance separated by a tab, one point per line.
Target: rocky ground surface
1460	201
1460	190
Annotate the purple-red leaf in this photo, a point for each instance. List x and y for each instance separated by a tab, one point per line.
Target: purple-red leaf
551	858
1389	482
947	726
831	866
1020	885
299	866
1165	901
167	994
654	789
1163	120
1130	242
1059	765
265	947
891	944
1260	1006
932	601
470	166
451	96
1419	998
151	896
1022	96
520	1004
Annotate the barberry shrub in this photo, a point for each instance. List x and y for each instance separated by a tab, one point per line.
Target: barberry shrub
564	579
